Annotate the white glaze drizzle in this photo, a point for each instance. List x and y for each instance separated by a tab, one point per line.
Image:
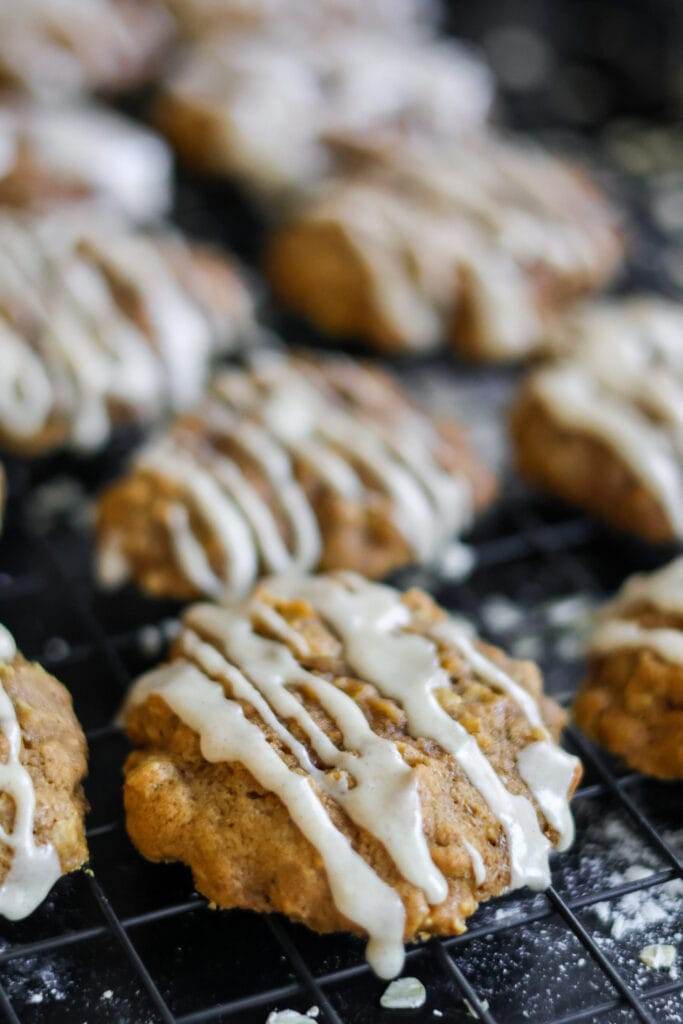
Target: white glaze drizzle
431	227
277	414
226	735
371	621
478	866
79	356
222	643
574	397
661	590
621	380
33	869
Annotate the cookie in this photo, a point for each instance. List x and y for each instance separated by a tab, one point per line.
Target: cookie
632	698
601	425
300	18
101	324
265	108
56	49
349	756
54	156
42	807
477	245
295	463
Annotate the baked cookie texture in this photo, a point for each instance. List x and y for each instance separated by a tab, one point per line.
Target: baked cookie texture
294	463
600	426
479	244
44	762
350	756
300	18
101	324
55	49
632	698
218	106
64	155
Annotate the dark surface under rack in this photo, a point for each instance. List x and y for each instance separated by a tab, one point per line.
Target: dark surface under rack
132	942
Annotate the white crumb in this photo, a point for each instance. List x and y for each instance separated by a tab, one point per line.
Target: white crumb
313	1011
107	994
456	562
437	1013
404	994
529	648
500	615
658	956
287	1016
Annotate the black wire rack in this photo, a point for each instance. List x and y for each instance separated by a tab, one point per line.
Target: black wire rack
131	941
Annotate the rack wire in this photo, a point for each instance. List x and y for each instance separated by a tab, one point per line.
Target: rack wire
132	942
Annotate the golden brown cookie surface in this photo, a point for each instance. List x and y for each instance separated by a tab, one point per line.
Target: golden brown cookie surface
632	698
294	463
346	755
600	425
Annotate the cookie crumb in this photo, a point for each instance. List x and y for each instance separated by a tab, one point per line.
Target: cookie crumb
287	1016
658	956
404	994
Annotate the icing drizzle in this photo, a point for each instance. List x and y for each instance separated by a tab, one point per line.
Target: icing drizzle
622	382
661	590
33	869
224	662
434	229
281	417
72	354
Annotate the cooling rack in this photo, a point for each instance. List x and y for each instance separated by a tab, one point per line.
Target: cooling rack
128	942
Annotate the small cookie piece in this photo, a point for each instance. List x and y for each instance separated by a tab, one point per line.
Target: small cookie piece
266	109
481	243
56	49
347	755
101	324
44	762
602	426
632	698
53	156
297	463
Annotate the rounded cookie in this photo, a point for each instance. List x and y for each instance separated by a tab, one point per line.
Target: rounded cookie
632	698
44	762
293	463
347	755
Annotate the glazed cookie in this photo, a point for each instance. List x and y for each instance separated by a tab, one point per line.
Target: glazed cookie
53	156
296	463
59	48
297	18
632	698
349	756
100	324
601	426
266	110
480	243
42	807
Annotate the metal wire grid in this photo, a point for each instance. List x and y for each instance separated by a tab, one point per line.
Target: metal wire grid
116	915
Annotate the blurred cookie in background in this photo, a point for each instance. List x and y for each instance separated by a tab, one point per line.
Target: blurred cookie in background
101	324
55	156
56	49
293	464
477	243
632	698
260	109
602	426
